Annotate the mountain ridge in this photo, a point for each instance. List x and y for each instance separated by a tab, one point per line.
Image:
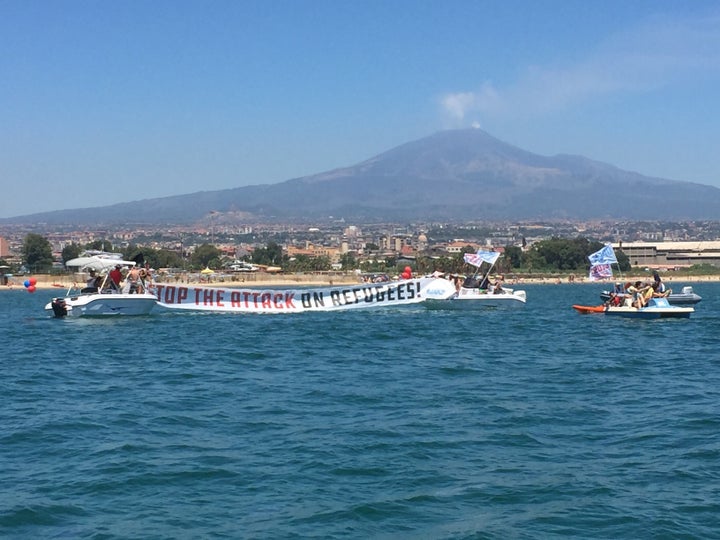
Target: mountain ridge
455	175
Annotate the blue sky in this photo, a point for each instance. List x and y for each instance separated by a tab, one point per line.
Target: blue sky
104	102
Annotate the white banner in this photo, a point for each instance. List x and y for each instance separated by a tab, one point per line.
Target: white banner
393	293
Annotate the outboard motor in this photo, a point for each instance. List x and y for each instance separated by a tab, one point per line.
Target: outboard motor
59	307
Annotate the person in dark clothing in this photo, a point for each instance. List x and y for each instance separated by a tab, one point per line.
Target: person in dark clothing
115	277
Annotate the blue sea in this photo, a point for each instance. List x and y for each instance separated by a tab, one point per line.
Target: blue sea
401	422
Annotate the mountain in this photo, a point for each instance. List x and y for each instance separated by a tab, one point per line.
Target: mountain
449	176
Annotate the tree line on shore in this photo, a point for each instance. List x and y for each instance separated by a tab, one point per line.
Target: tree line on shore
550	256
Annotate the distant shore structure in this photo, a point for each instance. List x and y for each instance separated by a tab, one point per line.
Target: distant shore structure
670	255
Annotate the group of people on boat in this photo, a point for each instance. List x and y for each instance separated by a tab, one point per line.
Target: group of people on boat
637	294
471	282
134	281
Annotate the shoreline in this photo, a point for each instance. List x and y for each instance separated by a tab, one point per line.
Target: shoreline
46	282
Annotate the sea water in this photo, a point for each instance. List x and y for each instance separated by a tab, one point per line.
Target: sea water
404	422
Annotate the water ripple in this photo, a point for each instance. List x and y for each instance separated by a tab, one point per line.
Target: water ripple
397	423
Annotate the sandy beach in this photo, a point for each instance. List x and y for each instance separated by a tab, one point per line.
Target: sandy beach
44	282
254	281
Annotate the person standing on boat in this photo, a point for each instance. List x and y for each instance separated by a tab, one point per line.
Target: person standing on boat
116	277
145	278
133	281
94	281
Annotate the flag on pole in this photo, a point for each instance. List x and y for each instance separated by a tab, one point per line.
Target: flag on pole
606	255
476	259
600	271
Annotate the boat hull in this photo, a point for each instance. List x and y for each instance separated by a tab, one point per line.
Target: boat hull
102	305
589	309
651	312
657	308
478	299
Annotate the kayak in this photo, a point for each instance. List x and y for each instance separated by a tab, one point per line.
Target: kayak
589	309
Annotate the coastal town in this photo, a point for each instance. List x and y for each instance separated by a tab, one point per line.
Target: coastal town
335	246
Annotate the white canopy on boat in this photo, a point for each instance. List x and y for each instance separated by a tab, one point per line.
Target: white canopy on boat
102	265
99	264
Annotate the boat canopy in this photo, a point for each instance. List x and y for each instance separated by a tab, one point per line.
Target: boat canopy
99	262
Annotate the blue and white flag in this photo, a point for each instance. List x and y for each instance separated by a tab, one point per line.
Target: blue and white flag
604	256
600	271
476	259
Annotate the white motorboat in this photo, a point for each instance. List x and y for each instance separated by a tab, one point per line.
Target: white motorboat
91	304
476	293
104	298
686	297
475	298
491	298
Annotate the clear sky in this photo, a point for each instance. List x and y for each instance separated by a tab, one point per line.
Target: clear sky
106	101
